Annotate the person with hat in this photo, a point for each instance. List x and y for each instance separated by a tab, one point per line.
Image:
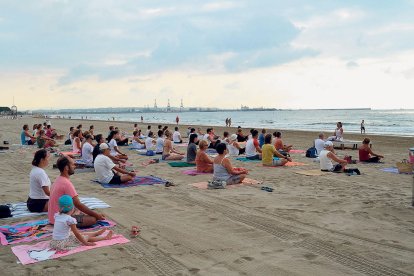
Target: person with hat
104	168
234	147
326	157
66	235
85	217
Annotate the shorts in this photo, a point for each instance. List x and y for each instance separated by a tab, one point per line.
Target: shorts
234	179
36	205
277	162
254	157
67	244
116	179
30	142
165	156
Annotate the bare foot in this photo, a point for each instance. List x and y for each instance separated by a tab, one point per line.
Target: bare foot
109	235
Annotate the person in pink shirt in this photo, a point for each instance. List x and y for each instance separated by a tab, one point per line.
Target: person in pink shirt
62	185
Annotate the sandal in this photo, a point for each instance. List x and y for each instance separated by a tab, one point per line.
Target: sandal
134	231
169	184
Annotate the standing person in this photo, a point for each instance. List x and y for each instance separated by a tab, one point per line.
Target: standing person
363	126
177	120
66	235
227	122
142	119
39	183
63	186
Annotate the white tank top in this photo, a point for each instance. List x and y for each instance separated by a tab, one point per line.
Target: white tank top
325	161
233	151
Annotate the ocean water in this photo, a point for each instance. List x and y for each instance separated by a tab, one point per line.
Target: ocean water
389	122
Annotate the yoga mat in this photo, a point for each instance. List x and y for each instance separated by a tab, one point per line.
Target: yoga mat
316	172
36	230
68	153
178	164
392	170
245	159
193	172
29	254
296	151
19	209
246	182
137	181
288	164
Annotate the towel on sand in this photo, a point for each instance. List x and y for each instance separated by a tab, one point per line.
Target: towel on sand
33	253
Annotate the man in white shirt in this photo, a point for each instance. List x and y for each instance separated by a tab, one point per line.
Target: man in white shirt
160	142
177	136
87	150
104	168
319	143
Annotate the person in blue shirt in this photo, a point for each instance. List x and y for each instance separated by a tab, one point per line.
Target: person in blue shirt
262	137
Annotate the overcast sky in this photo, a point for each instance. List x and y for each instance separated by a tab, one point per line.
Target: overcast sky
270	53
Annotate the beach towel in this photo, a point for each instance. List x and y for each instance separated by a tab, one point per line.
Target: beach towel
76	154
37	229
245	159
193	172
288	164
19	209
211	151
246	182
296	151
137	181
33	253
392	170
316	172
179	164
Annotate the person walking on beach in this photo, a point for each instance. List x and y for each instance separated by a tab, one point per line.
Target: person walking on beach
84	216
363	126
142	119
177	119
227	122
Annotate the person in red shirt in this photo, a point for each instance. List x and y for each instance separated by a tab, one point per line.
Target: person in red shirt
63	186
366	154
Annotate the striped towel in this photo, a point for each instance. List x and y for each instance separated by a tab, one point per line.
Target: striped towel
19	209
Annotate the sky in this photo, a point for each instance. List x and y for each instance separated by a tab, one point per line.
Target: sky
263	53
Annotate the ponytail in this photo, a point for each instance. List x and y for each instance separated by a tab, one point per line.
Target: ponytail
39	155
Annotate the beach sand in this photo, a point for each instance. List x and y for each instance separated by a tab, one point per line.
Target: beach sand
332	224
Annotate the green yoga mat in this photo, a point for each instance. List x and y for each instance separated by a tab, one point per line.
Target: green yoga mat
180	164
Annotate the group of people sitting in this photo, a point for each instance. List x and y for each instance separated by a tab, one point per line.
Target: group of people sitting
42	135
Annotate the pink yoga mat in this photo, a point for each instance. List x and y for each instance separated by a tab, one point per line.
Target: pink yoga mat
288	164
246	182
30	254
193	172
296	151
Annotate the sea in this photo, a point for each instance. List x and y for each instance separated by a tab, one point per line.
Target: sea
384	122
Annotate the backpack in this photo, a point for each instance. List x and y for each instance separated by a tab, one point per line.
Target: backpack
311	152
5	211
150	153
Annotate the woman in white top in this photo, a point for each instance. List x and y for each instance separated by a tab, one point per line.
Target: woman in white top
39	183
114	146
233	146
338	133
87	150
137	143
76	143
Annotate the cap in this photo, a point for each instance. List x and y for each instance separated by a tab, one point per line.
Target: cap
103	146
233	137
65	203
328	144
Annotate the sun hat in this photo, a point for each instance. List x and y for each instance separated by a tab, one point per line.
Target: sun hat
233	137
328	144
103	146
65	203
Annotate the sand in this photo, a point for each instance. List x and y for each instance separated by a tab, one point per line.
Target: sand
330	224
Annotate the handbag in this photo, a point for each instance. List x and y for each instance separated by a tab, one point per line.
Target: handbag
404	166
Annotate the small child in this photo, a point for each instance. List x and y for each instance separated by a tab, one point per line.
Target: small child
63	239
